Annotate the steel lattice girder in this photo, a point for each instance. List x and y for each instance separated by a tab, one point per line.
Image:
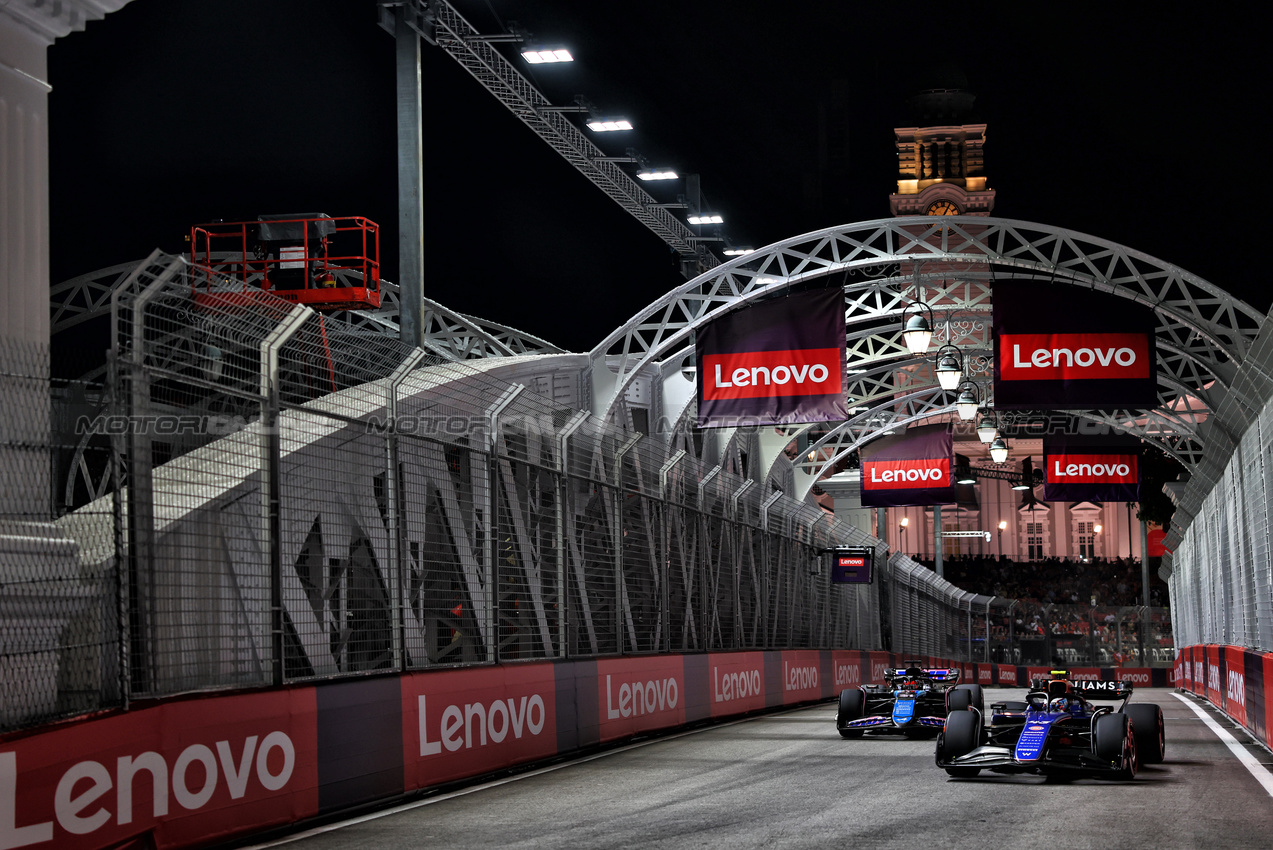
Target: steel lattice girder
457	37
1203	332
450	335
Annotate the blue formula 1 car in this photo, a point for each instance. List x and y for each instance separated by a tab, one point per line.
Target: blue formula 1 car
912	700
1057	731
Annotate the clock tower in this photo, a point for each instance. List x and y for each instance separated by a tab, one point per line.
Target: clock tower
940	166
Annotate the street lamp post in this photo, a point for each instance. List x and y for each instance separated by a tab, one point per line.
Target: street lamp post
904	523
1003	523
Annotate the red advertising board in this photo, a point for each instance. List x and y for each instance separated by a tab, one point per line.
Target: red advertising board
1234	683
881	662
1074	356
754	374
1267	668
738	682
1006	674
802	676
640	694
459	723
1075	673
847	670
1215	668
191	771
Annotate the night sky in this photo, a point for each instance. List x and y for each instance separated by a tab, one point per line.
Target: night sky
1144	124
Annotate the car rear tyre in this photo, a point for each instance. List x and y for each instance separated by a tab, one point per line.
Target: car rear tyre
974	691
961	736
1114	741
852	706
958	700
1147	725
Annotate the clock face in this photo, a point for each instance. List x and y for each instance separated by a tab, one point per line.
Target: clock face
942	208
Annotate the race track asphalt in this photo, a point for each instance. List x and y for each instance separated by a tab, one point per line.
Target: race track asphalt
788	780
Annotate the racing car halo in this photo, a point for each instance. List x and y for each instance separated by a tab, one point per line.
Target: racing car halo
913	699
1057	731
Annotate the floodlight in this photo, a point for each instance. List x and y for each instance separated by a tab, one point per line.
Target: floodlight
536	56
609	125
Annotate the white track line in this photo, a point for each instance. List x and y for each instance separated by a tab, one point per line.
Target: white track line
406	807
1250	762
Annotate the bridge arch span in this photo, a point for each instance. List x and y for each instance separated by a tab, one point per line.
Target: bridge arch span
1203	332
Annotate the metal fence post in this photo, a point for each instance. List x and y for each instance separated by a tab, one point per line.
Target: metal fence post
563	547
493	414
271	470
705	561
738	634
140	621
764	586
393	514
621	603
665	473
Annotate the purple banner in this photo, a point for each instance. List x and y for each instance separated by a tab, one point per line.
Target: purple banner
1080	468
1065	348
915	468
776	363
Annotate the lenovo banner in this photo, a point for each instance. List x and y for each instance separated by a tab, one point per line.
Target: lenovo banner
1065	348
909	469
1079	468
777	363
181	773
466	721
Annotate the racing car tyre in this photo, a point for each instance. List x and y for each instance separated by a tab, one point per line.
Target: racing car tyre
852	706
957	700
1147	726
1114	740
961	736
978	702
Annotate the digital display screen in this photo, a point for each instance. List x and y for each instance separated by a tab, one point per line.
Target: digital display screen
852	567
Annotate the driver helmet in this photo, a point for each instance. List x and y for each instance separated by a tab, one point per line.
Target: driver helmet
1059	704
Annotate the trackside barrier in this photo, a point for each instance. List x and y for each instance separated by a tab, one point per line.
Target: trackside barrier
1234	679
204	769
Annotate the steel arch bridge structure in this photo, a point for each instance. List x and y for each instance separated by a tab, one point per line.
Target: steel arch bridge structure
884	267
548	526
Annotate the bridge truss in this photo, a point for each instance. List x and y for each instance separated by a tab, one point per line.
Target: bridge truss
886	266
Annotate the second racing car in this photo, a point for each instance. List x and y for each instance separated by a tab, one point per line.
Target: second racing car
1056	731
912	699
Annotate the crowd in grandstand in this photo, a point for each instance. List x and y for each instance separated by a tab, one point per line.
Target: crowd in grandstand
1097	582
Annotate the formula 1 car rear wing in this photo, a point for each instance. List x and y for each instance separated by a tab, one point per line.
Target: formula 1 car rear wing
1061	682
1103	690
939	675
